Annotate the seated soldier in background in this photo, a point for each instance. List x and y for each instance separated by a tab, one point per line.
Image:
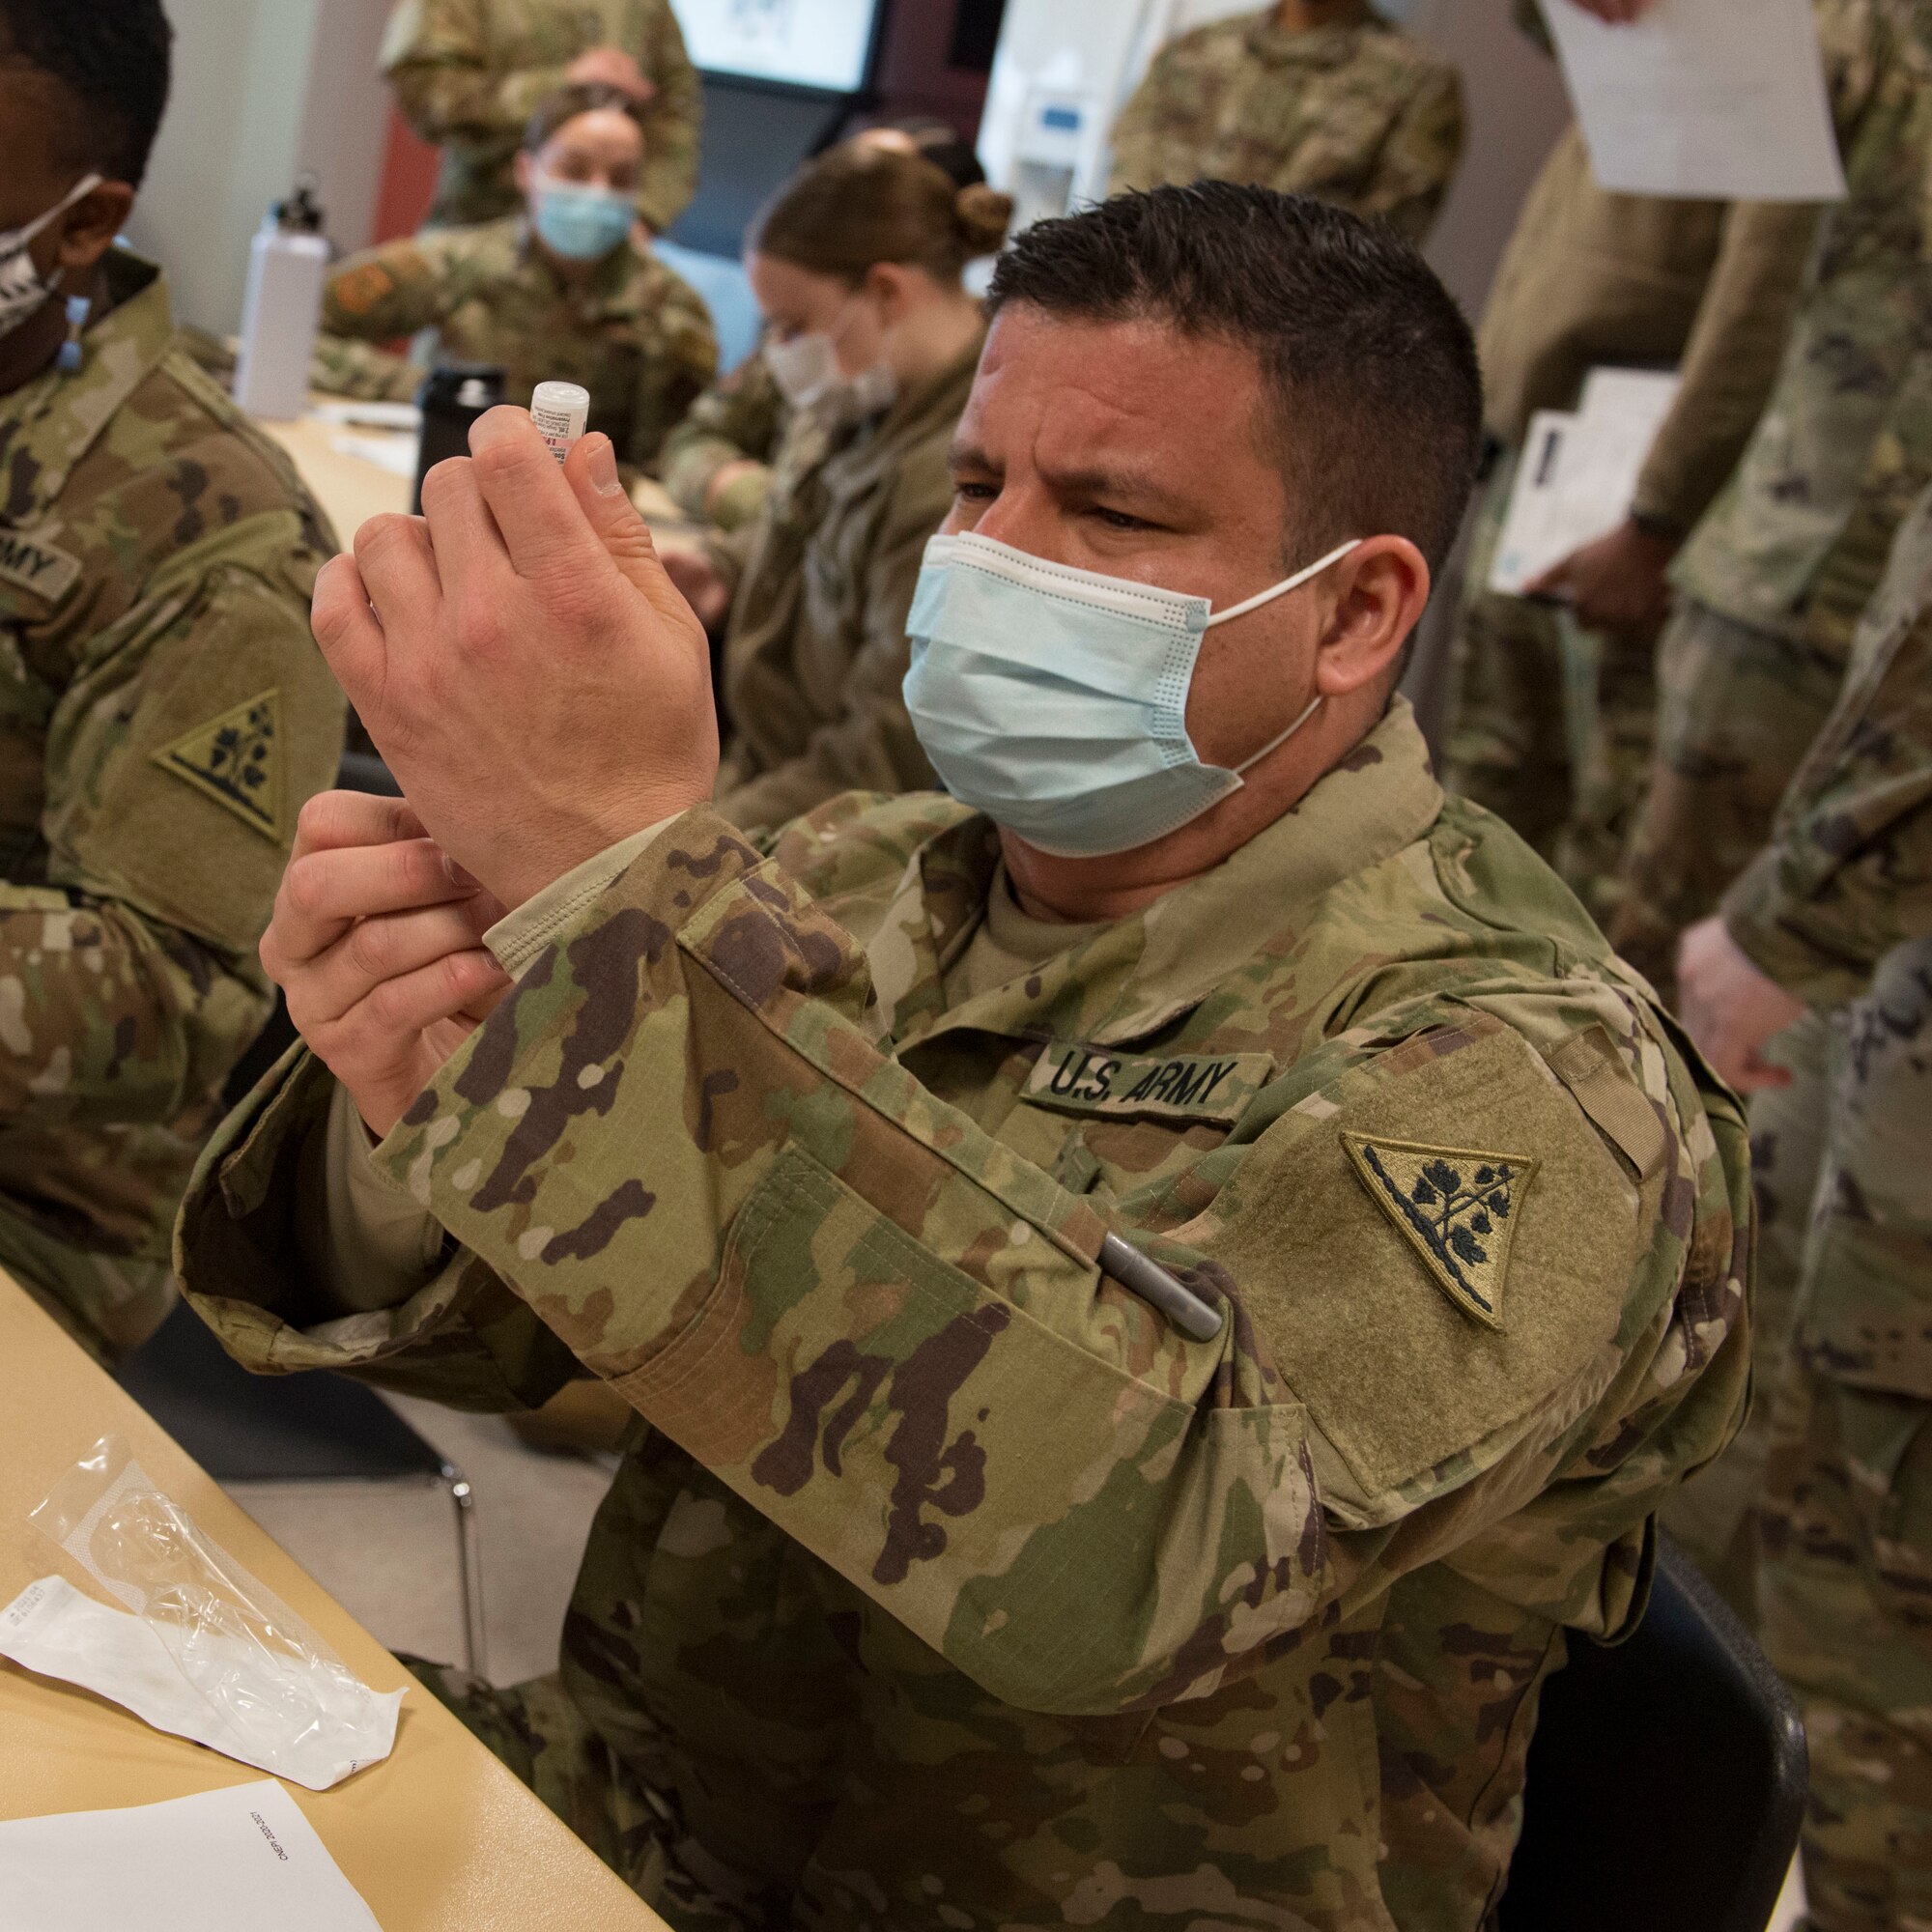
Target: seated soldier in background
1309	97
166	711
1834	919
469	73
1163	1283
718	462
872	340
568	291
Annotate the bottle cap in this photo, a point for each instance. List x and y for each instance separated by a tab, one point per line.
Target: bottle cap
559	411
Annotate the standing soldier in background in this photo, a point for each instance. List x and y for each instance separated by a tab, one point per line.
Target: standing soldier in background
1552	712
1837	914
470	74
1308	97
165	711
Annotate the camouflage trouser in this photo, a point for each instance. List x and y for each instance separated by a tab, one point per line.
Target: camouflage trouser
1846	1586
109	1304
1736	709
538	1732
1550	726
1715	1516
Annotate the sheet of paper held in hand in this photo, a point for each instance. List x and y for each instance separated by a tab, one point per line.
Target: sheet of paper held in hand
1719	99
230	1861
1578	472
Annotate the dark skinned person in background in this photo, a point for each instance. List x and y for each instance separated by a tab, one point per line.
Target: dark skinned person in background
470	74
166	713
567	290
1164	1283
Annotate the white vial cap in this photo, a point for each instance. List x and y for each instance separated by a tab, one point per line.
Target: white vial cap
559	411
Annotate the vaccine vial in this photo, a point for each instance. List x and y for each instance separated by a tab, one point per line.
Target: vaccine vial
559	411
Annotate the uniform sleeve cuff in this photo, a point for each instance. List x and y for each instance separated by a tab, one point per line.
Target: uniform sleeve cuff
528	931
1769	929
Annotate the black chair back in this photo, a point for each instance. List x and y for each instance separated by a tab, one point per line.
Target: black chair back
1667	1780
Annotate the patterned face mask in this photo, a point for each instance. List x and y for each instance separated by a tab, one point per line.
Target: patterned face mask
24	289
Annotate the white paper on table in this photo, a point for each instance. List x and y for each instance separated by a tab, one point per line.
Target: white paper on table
369	416
232	1860
1719	100
1578	472
397	454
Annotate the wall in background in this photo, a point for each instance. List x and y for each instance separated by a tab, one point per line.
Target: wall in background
264	92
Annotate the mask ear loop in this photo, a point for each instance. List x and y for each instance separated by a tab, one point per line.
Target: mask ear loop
1287	585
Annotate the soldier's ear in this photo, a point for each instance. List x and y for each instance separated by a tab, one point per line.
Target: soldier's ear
87	230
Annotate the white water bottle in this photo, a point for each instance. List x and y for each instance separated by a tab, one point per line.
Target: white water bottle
288	261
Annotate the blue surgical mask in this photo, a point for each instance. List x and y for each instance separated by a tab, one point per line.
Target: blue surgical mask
1055	699
581	223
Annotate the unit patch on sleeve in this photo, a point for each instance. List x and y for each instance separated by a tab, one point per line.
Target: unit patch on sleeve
1457	1208
237	760
1080	1079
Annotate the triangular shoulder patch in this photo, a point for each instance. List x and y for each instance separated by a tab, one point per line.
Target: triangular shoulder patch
1459	1209
237	760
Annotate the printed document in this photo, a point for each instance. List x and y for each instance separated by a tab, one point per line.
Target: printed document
1717	100
232	1861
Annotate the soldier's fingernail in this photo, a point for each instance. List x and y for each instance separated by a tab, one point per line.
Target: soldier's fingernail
602	464
459	875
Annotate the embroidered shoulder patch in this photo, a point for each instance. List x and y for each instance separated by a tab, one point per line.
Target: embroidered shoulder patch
237	760
1459	1209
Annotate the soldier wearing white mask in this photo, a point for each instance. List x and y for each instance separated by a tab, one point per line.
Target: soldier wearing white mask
873	340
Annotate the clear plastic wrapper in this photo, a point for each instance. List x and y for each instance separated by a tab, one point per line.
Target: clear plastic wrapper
207	1651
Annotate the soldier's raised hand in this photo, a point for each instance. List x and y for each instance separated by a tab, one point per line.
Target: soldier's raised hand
521	660
376	943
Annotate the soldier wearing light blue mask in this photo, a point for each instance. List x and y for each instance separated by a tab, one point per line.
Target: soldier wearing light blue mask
569	291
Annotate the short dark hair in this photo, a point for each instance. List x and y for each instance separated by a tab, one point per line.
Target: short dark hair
1377	396
111	58
566	103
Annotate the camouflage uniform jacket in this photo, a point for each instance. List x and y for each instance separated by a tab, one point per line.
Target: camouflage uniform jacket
1797	541
1358	113
815	649
1848	876
470	74
951	1587
742	416
163	714
635	334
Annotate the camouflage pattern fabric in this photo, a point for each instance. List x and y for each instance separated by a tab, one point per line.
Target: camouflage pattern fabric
165	714
1839	909
1356	113
635	334
1738	707
741	417
470	74
815	648
950	1586
1796	541
1551	724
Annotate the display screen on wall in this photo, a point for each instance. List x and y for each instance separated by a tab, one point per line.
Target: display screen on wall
821	43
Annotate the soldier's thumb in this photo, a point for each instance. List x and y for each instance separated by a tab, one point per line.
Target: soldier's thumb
592	470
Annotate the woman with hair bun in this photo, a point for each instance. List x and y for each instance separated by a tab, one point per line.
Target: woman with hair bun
857	264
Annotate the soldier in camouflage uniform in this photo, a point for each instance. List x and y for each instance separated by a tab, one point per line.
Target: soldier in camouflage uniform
1774	580
948	1583
718	462
1553	711
1837	913
166	713
624	326
467	74
1308	97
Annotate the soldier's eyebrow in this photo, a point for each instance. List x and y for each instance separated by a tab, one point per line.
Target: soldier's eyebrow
1122	487
963	456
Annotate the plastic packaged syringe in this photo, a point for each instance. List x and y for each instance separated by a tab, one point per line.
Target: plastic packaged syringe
559	411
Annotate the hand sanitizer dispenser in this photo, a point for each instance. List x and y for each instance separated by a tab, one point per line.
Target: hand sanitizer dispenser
287	264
